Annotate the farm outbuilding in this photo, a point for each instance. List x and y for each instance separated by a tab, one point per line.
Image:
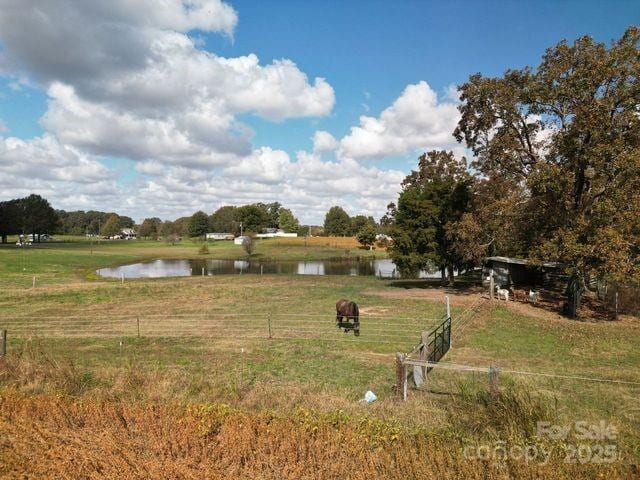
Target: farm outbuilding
220	236
520	272
239	240
276	233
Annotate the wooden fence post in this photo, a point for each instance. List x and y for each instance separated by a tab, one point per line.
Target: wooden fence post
491	286
138	325
3	343
494	371
401	377
269	324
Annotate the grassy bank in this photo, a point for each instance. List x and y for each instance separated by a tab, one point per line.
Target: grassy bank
116	439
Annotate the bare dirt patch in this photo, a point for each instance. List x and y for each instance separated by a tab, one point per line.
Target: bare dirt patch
465	297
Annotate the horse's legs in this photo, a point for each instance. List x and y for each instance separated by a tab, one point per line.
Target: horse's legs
338	320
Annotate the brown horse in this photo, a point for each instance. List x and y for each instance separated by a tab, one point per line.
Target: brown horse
348	310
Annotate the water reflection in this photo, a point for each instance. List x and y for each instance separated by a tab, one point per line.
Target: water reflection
384	268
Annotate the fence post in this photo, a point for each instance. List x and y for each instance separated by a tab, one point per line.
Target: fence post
122	278
203	271
450	321
424	354
269	323
616	304
138	325
3	342
491	286
494	371
34	281
401	377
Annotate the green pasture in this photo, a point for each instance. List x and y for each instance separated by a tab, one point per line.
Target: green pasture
180	358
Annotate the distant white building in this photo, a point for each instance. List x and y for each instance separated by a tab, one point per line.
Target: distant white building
128	234
239	240
220	236
274	233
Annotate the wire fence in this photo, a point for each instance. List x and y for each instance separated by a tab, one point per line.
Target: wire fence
398	331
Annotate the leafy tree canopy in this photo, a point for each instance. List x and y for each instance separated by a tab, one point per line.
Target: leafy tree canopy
150	228
367	235
288	222
254	218
337	222
568	135
224	220
112	226
198	224
433	199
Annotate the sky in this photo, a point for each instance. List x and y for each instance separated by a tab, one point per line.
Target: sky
160	108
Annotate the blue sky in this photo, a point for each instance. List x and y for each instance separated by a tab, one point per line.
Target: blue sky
368	52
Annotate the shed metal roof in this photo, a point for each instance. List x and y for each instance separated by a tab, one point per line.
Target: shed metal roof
519	261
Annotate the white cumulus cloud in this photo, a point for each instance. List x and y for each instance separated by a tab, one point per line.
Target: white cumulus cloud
324	142
416	120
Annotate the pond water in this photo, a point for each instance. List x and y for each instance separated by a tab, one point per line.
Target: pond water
384	268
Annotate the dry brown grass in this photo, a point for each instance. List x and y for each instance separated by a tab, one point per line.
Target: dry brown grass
56	437
334	242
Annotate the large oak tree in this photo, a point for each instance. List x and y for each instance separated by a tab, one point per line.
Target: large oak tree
568	134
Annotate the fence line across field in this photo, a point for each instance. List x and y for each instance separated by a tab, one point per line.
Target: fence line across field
205	320
220	314
227	335
172	332
328	326
475	368
230	333
97	322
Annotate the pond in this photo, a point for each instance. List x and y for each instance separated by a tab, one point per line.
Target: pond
383	268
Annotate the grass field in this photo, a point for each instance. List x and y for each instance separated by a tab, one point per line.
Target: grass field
203	381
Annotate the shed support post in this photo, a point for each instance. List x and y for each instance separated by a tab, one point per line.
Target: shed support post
493	380
491	285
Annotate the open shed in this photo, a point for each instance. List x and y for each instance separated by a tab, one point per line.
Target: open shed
519	272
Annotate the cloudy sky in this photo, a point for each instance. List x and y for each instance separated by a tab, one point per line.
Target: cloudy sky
163	107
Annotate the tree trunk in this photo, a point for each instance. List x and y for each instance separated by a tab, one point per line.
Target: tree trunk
4	238
575	290
451	279
443	274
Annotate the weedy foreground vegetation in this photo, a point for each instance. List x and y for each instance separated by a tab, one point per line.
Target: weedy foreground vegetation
86	397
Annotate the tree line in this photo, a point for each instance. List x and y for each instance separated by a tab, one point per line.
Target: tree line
555	175
32	215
